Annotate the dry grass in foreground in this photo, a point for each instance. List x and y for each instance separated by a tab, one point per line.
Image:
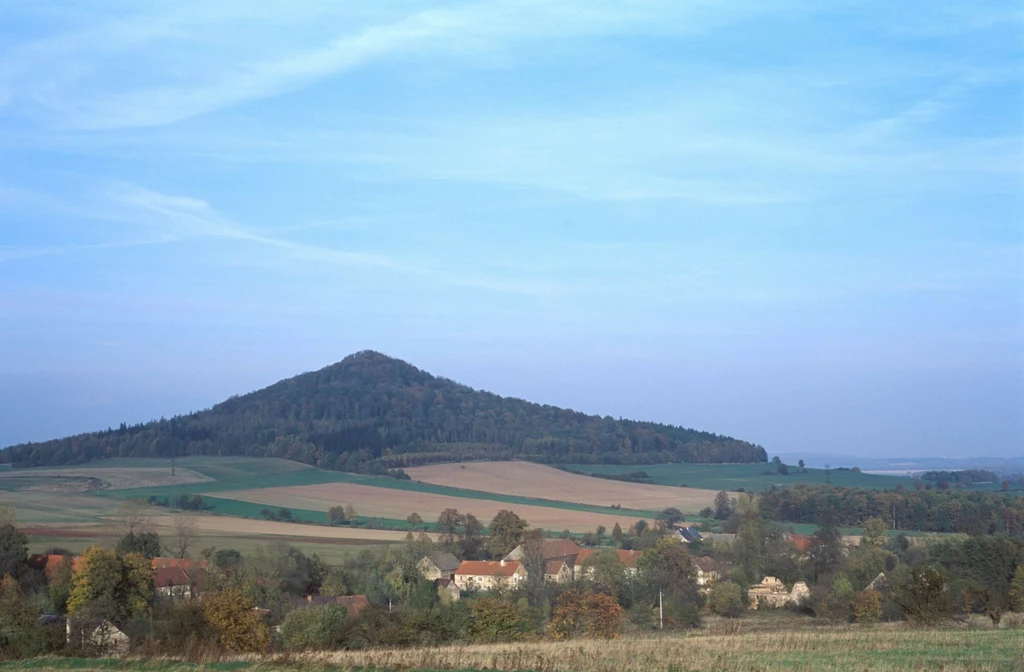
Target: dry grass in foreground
846	650
881	649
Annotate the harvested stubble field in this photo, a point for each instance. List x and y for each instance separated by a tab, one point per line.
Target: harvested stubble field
398	504
223	525
113	478
526	479
332	544
882	649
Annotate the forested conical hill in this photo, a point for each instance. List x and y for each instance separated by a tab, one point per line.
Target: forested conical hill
371	412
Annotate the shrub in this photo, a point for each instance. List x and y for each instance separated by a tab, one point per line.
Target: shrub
867	606
180	628
314	627
238	625
921	593
21	635
496	620
727	599
579	613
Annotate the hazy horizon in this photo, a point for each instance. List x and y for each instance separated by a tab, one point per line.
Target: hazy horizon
797	226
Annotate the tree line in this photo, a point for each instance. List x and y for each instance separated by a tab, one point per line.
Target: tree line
922	509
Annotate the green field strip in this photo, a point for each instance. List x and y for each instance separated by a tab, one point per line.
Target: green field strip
732	477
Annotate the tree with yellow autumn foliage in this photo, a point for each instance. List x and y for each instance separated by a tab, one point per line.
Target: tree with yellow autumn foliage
111	586
239	626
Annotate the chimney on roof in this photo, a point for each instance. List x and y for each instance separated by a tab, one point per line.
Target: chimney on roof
503	562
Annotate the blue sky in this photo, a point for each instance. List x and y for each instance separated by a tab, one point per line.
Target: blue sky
795	223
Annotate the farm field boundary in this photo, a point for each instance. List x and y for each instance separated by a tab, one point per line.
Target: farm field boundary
732	477
394	504
307	477
529	479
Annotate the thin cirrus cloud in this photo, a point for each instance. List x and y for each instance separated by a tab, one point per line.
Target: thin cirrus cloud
56	74
168	219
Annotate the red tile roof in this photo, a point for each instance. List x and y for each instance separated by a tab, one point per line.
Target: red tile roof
183	563
487	568
559	548
354	604
627	558
177	572
553	567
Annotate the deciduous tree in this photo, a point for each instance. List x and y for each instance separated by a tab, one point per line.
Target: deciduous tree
497	620
239	626
13	551
506	532
21	635
873	532
448	524
581	613
727	599
108	585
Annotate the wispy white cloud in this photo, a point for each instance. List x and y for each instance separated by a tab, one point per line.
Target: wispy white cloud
62	76
170	219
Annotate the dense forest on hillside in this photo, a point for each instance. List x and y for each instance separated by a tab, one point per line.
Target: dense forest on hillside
372	413
927	510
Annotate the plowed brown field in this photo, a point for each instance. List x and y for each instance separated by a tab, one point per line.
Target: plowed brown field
527	479
388	503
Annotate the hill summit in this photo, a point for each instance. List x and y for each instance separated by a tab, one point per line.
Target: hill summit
371	413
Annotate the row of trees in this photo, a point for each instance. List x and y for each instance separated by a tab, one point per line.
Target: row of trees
371	413
969	512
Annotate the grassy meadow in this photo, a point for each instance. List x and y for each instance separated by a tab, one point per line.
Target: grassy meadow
732	477
849	649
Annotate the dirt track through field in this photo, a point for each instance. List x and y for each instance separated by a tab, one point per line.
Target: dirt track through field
115	478
388	503
527	479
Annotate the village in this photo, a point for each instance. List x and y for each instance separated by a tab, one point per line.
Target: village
562	563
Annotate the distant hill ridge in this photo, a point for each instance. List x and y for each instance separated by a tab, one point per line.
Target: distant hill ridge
372	413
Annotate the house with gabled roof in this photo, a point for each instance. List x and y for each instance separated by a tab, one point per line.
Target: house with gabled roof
178	577
707	570
438	566
447	590
688	534
557	571
550	549
489	574
627	558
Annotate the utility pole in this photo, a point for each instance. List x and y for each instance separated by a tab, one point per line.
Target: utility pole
661	613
